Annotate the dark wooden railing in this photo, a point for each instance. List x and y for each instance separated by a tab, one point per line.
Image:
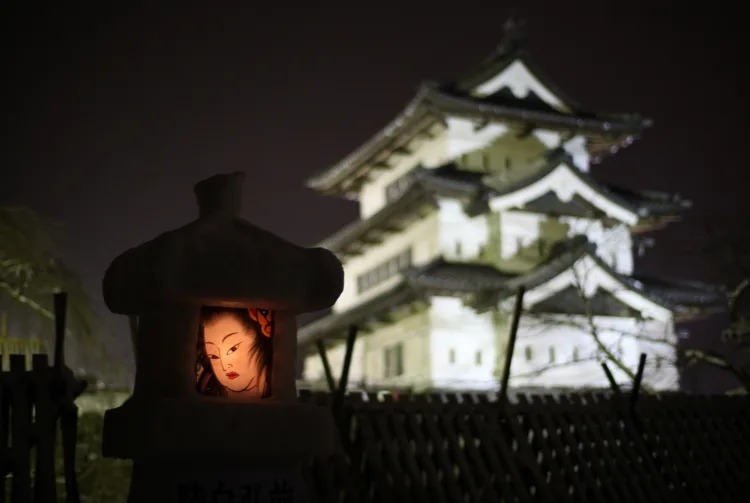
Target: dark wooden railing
34	404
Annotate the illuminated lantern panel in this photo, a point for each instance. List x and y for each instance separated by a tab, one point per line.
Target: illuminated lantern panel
234	352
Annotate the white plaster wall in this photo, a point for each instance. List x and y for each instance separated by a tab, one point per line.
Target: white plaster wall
313	365
517	230
422	236
413	333
462	140
463	137
457	327
429	336
576	147
565	333
659	341
625	337
457	230
428	153
614	245
368	357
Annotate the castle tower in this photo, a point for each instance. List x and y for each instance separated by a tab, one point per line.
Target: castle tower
478	186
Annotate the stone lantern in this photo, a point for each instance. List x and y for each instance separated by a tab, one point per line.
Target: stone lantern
214	414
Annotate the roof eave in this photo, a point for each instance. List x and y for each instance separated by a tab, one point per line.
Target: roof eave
391	218
455	105
375	308
327	180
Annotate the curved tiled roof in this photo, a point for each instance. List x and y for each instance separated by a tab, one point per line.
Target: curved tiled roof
335	323
434	102
451	181
482	282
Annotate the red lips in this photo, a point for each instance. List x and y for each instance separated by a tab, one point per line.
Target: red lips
232	375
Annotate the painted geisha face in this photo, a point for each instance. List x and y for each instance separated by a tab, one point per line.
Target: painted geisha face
228	344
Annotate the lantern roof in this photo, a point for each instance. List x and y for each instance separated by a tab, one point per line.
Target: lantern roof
222	259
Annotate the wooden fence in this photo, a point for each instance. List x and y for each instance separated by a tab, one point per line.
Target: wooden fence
32	402
576	447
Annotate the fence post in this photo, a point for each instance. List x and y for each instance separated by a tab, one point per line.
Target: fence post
612	383
20	430
502	399
65	389
60	300
344	378
637	382
69	430
326	366
45	423
4	430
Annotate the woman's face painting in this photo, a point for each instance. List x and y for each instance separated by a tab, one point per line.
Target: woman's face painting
228	344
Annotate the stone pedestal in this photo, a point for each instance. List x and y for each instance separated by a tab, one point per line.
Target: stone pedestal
183	451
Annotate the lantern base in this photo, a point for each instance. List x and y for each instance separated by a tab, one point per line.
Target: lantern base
215	428
216	479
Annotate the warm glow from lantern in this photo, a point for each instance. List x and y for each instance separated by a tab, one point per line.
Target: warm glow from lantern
235	352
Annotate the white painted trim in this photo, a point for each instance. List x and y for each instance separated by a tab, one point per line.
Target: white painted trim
520	80
565	184
587	274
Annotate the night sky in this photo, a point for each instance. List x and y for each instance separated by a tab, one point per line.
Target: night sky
113	115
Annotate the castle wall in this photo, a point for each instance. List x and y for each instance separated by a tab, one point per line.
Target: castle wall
517	240
496	149
463	137
659	341
462	344
313	366
421	237
413	334
560	350
614	244
451	346
461	237
508	155
368	365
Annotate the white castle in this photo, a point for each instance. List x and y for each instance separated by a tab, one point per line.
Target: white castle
477	187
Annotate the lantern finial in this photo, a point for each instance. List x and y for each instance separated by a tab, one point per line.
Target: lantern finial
220	195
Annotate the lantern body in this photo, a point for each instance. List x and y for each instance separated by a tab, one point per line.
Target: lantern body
214	405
